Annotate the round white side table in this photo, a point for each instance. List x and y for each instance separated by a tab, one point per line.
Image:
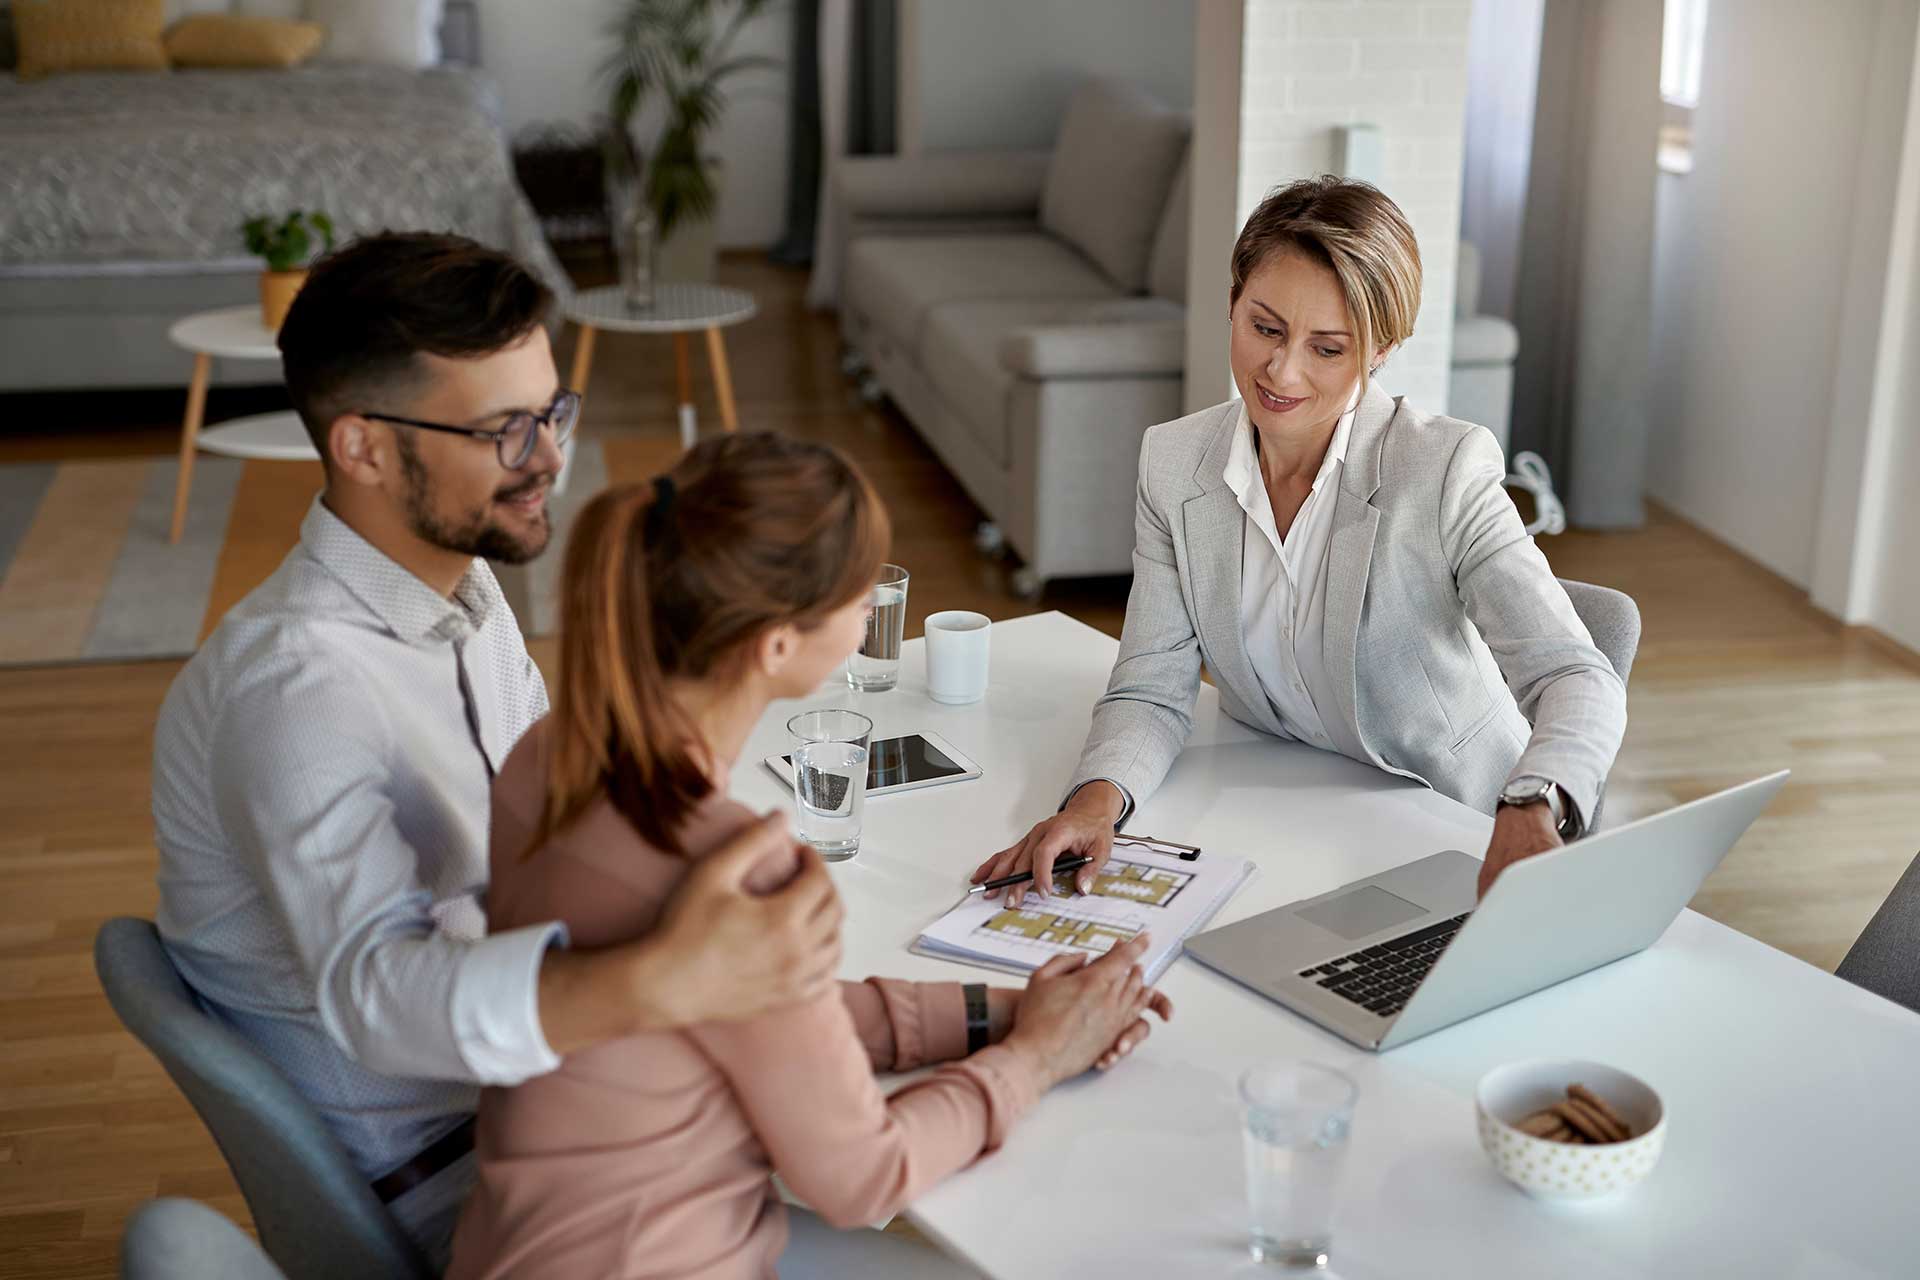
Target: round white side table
231	333
678	309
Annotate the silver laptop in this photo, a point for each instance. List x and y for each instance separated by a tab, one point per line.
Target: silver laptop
1390	958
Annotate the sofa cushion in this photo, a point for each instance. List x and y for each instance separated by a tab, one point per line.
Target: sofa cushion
892	281
240	40
1167	268
89	35
965	348
1108	181
1484	340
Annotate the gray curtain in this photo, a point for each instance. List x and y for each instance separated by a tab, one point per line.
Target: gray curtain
1583	301
873	90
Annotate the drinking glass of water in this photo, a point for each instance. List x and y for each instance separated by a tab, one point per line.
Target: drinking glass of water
830	793
1298	1115
831	724
877	665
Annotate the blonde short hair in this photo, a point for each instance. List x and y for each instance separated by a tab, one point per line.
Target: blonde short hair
1356	231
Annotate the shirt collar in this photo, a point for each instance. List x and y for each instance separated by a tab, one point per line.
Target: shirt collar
1243	467
408	607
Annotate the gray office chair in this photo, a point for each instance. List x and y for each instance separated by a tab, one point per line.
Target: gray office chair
315	1213
1613	619
184	1240
1885	958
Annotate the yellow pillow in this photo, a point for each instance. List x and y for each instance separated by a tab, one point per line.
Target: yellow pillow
242	40
89	35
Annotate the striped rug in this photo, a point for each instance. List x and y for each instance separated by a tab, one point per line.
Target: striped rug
87	574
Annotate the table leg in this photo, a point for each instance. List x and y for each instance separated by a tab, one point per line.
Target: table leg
582	358
189	440
683	377
722	379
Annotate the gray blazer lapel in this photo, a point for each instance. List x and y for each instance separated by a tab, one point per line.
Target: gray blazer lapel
1350	552
1215	528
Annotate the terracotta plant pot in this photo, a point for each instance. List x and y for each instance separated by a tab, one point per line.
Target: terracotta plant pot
276	295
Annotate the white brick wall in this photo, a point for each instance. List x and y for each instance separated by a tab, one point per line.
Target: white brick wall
1308	66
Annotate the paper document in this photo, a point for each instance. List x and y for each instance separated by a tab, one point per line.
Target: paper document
1136	889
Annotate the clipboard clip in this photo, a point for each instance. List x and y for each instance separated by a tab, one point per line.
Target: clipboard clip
1184	852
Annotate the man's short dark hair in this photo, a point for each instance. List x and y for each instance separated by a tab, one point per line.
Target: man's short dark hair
350	340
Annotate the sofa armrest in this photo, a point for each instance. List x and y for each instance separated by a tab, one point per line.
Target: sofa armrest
942	183
1139	349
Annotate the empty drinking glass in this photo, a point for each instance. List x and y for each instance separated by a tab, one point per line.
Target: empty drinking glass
877	665
830	793
1298	1115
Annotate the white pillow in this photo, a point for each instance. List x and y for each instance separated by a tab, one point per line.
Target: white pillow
178	9
286	10
394	33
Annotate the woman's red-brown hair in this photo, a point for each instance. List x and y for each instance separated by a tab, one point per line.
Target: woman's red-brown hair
674	579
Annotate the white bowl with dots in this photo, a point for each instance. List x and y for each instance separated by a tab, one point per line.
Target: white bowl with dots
1559	1170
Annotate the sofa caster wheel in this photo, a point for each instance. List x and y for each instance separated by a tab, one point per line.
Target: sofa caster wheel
871	392
988	540
852	363
1027	584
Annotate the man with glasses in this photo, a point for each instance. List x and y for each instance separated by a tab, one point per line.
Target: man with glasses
322	765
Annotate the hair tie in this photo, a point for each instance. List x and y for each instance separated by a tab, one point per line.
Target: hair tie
662	509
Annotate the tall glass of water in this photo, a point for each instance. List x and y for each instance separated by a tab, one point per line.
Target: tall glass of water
830	793
877	665
1298	1115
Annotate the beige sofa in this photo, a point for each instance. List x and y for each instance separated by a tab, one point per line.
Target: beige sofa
1026	309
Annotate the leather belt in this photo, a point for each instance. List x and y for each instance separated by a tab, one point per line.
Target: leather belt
456	1142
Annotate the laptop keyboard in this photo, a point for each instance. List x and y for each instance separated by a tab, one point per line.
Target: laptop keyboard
1381	979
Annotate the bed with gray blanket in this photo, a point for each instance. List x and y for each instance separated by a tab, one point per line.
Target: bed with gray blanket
122	194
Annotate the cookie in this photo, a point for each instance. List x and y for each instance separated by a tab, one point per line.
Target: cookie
1580	1093
1583	1122
1540	1124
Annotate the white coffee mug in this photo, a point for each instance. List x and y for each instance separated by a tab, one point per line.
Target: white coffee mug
957	656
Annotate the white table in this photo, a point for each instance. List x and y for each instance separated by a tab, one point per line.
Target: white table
232	333
1795	1125
678	309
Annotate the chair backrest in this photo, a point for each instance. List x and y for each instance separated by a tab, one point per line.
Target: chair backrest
315	1213
1612	618
1885	959
184	1240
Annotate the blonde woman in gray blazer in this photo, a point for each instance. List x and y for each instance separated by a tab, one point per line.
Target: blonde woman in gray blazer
1349	568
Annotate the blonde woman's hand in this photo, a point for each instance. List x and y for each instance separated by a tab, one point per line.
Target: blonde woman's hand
1083	827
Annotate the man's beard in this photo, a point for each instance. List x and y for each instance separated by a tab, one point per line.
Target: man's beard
478	534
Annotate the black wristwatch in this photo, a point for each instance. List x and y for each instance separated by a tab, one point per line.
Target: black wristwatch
978	1024
1528	789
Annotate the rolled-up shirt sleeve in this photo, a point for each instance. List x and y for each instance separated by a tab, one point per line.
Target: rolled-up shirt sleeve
399	990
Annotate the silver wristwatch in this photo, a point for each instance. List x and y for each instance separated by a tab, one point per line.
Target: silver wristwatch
1528	789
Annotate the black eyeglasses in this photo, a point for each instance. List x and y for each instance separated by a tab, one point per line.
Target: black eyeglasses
514	441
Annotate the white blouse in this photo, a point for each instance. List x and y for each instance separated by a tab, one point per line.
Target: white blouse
1283	585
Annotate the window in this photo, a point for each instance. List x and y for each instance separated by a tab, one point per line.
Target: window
1682	42
1680	48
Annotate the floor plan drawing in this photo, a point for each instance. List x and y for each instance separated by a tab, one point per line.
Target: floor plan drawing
1055	932
1138	882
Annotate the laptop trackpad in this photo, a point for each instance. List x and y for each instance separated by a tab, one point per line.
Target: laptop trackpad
1366	910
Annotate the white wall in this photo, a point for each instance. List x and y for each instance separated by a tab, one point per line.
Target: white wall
1754	259
997	73
545	59
1307	66
1864	565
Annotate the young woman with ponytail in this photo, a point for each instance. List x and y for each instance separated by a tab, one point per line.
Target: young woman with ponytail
687	606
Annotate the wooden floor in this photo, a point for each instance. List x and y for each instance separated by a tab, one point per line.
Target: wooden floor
1737	674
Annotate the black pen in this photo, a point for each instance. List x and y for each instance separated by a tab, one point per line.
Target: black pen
1065	864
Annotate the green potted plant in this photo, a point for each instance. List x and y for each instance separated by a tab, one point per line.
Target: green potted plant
287	247
680	51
